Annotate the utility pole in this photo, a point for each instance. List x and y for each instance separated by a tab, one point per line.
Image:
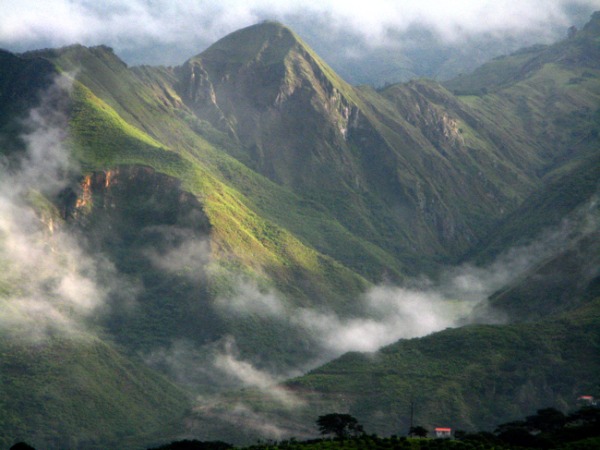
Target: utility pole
412	414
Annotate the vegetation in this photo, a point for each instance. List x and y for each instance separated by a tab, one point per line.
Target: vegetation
305	191
547	429
82	393
418	431
340	425
476	376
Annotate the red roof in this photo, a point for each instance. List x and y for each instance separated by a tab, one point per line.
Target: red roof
443	429
586	397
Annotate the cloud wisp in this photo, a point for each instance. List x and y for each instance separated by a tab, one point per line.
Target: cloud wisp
48	284
422	306
230	364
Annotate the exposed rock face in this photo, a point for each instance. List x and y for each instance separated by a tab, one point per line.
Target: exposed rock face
274	98
197	91
157	235
303	127
133	187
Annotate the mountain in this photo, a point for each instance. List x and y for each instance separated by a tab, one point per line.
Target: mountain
477	376
379	195
212	223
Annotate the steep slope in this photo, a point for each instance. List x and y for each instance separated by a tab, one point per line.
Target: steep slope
82	393
536	131
237	243
570	191
58	388
560	224
128	195
145	98
561	283
547	97
411	168
226	239
20	83
475	376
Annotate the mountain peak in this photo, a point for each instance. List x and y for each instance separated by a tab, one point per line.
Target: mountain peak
268	41
593	26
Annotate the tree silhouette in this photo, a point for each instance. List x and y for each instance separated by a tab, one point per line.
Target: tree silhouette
22	446
547	419
418	431
342	425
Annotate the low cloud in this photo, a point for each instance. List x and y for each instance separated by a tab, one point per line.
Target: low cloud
48	282
133	27
247	298
230	364
218	367
390	313
181	251
422	306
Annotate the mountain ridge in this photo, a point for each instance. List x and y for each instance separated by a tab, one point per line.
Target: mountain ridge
252	185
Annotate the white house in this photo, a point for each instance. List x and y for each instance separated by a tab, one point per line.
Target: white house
443	432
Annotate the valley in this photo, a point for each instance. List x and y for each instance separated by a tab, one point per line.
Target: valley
226	249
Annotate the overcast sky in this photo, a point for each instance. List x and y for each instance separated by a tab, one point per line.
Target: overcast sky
170	31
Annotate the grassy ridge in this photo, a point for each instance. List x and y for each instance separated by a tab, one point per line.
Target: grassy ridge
243	243
104	140
169	122
468	378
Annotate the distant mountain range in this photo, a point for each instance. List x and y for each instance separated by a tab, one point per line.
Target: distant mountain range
168	233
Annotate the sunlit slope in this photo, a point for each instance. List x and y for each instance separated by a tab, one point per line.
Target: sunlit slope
240	242
411	168
59	390
145	99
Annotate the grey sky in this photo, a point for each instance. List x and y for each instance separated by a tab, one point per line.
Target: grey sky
170	31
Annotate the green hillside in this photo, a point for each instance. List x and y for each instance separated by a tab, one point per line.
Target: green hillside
20	82
82	393
560	283
251	188
470	378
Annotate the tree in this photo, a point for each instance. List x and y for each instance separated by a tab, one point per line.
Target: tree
22	446
546	420
195	445
342	425
418	431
